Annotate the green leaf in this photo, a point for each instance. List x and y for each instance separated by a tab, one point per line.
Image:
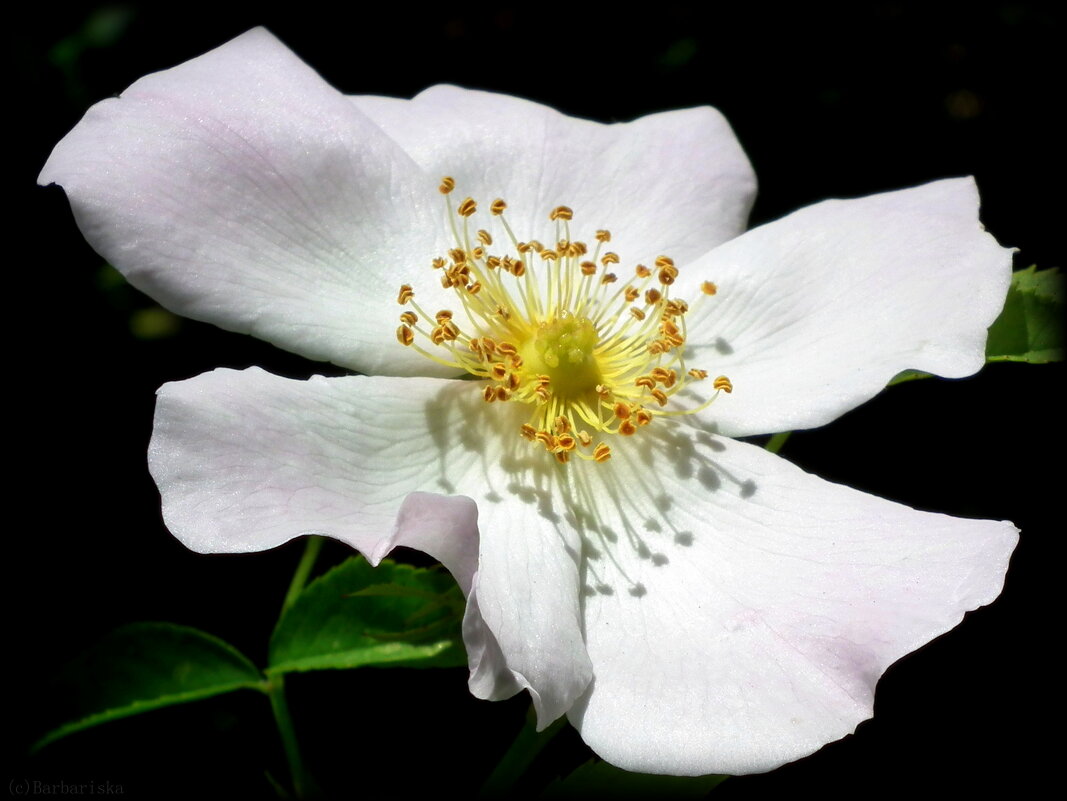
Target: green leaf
1030	328
907	375
356	615
596	779
147	666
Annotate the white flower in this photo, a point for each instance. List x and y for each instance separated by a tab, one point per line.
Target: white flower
693	603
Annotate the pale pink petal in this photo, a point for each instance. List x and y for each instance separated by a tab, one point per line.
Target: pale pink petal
239	188
676	182
816	312
246	460
741	611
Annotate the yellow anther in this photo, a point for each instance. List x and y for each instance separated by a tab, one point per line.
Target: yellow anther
498	371
646	381
513	381
585	438
447	185
478	253
566	442
576	249
561	213
406	294
449	330
643	417
563	425
642	271
664	376
562	457
404	335
677	307
660	396
528	432
489	346
503	393
603	391
603	235
523	247
458	256
488	394
497	207
608	278
484	237
467	207
631	294
667	271
622	410
537	246
545	438
708	288
699	375
438	263
549	255
442	315
507	348
493	262
587	267
609	258
652	297
723	383
475	288
637	313
409	318
601	453
627	429
518	269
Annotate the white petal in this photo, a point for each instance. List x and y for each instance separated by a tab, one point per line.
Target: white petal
744	610
676	182
816	312
241	189
246	461
527	586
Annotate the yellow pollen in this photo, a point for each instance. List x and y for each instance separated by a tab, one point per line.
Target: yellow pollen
553	334
467	207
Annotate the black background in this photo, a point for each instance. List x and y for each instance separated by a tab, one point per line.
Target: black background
828	101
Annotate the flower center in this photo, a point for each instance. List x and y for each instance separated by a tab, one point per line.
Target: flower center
546	326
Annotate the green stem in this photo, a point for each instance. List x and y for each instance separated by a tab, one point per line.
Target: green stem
775	443
303	570
302	784
523	751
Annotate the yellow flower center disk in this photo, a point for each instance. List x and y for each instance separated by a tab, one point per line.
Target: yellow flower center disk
545	326
563	349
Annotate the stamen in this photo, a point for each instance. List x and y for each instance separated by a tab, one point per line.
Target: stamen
546	332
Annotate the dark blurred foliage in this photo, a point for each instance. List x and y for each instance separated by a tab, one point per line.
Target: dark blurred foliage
828	100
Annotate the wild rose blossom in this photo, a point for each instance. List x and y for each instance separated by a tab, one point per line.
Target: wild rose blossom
693	603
